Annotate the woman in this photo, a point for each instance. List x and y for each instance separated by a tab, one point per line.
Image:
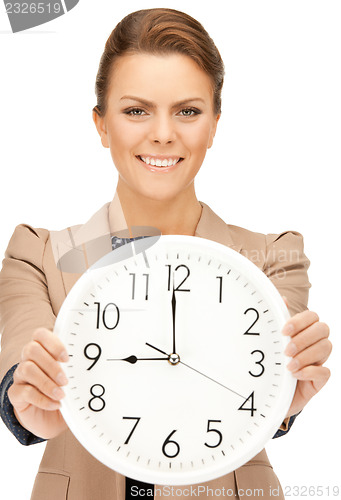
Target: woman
158	89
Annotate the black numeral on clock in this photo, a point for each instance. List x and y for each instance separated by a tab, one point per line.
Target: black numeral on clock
147	284
90	349
258	363
250	407
210	429
170	442
178	289
131	433
220	288
97	403
111	314
255	321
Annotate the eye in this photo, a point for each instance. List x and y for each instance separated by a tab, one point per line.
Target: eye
189	112
134	112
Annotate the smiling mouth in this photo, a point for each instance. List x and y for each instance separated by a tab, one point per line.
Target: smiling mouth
160	162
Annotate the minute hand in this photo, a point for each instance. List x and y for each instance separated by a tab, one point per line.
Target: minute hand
173	315
219	383
200	373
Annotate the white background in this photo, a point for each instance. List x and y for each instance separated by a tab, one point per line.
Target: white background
274	165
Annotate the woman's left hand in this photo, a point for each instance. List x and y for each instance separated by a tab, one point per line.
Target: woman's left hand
309	348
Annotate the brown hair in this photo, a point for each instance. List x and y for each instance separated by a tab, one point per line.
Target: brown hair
160	31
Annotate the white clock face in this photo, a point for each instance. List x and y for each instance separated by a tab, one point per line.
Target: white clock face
176	373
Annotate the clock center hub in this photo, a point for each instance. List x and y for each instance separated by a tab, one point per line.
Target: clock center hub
174	359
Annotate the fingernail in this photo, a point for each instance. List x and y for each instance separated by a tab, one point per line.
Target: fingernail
293	365
288	329
291	349
64	356
61	379
54	405
58	393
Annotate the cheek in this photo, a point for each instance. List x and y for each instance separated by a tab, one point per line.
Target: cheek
123	137
197	139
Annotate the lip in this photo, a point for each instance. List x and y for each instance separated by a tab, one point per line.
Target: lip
161	157
154	168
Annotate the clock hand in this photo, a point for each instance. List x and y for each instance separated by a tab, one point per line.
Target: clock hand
156	349
200	373
173	315
203	374
133	359
173	358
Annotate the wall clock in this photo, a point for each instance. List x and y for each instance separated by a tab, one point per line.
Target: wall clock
176	373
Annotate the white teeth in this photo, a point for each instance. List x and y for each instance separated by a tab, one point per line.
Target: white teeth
159	163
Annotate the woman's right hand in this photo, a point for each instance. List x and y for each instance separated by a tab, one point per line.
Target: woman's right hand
37	380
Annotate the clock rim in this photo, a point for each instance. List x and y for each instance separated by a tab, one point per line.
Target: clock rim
261	281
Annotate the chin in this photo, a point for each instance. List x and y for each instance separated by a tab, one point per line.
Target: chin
161	197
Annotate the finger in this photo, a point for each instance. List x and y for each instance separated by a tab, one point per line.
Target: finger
313	355
51	343
285	300
28	373
306	338
299	321
33	351
19	394
319	375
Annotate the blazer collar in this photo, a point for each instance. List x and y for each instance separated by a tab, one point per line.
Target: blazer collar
80	246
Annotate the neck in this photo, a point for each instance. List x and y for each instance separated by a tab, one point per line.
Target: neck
178	215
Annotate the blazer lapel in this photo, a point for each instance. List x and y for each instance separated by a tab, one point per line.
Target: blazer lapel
76	248
212	227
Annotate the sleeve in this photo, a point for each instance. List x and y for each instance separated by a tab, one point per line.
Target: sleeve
287	267
24	300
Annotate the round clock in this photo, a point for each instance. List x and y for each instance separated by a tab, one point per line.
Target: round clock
177	373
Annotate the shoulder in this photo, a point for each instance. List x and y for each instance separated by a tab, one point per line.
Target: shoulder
288	245
264	249
26	240
282	258
249	238
38	245
267	250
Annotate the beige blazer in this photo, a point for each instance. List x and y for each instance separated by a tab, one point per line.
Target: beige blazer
32	290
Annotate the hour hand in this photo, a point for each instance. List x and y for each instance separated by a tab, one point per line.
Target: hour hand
133	359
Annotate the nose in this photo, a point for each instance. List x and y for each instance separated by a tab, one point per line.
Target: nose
162	129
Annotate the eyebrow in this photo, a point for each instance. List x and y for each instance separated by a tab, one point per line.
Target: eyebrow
152	105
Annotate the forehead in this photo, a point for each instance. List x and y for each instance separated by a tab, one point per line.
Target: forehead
159	78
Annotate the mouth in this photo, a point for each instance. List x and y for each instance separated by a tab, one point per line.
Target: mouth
160	161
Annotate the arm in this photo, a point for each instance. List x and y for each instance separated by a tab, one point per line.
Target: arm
24	307
286	265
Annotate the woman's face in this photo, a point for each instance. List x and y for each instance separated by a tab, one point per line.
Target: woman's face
159	123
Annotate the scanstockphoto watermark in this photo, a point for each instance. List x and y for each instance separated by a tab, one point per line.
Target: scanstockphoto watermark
205	491
24	15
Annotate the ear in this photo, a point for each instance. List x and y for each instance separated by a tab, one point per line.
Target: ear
101	127
213	131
